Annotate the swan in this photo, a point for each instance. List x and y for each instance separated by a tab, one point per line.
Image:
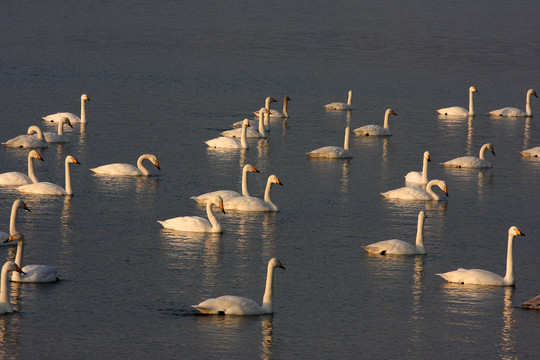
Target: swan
483	277
236	305
533	303
250	134
197	223
267	102
231	143
471	161
250	203
121	169
15	178
17	204
334	152
515	112
533	152
74	119
415	193
59	137
47	188
5	304
32	273
275	113
419	177
227	194
459	111
400	247
376	130
28	141
341	105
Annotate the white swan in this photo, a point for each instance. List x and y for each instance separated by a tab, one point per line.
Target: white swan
341	105
17	204
515	112
5	304
472	162
400	247
376	130
267	102
419	177
334	152
32	273
14	178
236	305
227	194
197	223
250	203
533	152
74	119
250	134
415	193
231	143
59	137
483	277
121	169
275	113
28	141
47	188
459	111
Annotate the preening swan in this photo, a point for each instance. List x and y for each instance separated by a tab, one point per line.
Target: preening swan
28	141
267	102
515	112
227	194
236	305
47	188
59	137
533	152
275	113
197	223
416	177
231	143
341	105
250	134
415	193
376	130
249	203
32	273
121	169
17	204
5	304
459	111
334	152
74	119
400	247
483	277
15	178
471	161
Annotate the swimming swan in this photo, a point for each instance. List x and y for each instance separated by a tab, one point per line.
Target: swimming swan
197	223
120	169
5	304
15	178
416	177
250	203
236	305
275	113
341	105
483	277
376	130
231	143
533	152
58	137
267	102
459	111
400	247
250	134
472	162
17	204
415	193
515	112
334	152
28	141
74	119
47	188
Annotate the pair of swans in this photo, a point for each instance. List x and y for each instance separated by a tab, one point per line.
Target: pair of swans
251	134
47	188
459	111
17	204
484	277
29	141
341	105
333	152
376	130
515	112
121	169
533	152
400	247
5	304
472	162
419	177
197	223
416	193
237	305
14	178
223	142
74	119
250	203
276	113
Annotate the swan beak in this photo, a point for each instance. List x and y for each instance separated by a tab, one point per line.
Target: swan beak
273	100
445	191
221	207
474	89
394	113
493	152
69	123
279	182
280	265
534	93
518	232
18	269
254	170
26	208
39	157
75	161
428	158
87	98
157	165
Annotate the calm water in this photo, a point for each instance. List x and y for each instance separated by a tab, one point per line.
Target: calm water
163	79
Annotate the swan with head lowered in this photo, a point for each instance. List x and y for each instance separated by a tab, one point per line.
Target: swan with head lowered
17	204
197	223
74	119
121	169
250	203
419	177
250	134
231	143
472	162
415	193
28	141
58	137
333	152
341	105
459	111
47	188
237	305
533	152
376	130
15	178
5	304
484	277
515	112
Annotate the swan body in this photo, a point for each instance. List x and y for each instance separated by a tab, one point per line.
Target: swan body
28	141
341	105
74	119
533	152
400	247
227	194
515	112
47	188
415	193
334	152
59	137
419	177
196	223
237	305
17	204
120	169
231	143
15	178
275	113
459	111
472	162
376	130
484	277
250	134
5	304
250	203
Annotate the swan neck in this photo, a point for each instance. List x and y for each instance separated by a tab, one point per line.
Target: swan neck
83	111
61	128
19	255
528	105
243	141
31	173
68	178
471	103
285	107
482	152
266	121
4	293
386	120
13	218
429	190
140	165
346	141
212	217
509	277
349	99
425	170
245	191
269	289
420	233
262	129
267	193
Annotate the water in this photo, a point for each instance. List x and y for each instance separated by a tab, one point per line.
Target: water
163	79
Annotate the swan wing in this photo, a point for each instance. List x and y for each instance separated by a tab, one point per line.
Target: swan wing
472	276
230	305
392	247
187	223
54	138
14	178
508	111
534	152
467	162
248	203
407	193
118	169
330	152
414	177
39	274
225	195
43	188
338	106
26	141
224	142
237	133
453	110
58	117
371	130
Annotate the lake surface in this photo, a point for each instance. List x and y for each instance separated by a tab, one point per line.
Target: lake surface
163	78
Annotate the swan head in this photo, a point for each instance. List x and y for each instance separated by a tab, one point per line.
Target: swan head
427	156
390	112
286	98
472	89
67	122
271	99
71	159
532	92
422	215
490	147
21	205
218	201
439	183
34	154
275	263
11	266
245	123
248	167
154	160
34	129
274	179
15	237
515	231
85	97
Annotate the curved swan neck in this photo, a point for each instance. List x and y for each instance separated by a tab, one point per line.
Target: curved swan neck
425	169
430	191
61	128
211	216
509	277
420	231
262	129
267	103
349	99
269	288
528	109
83	110
4	293
386	119
267	192
13	218
243	141
69	191
31	173
347	136
37	130
245	191
19	255
471	103
140	165
285	100
481	154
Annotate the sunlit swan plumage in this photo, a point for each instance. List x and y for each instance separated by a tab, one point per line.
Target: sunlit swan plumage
533	152
250	133
515	112
231	143
74	119
236	305
459	111
472	161
17	204
121	169
334	152
341	105
47	188
376	130
197	223
5	304
28	141
416	193
419	177
400	247
250	203
484	277
15	178
58	137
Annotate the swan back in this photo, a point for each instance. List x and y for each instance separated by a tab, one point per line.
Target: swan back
196	223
